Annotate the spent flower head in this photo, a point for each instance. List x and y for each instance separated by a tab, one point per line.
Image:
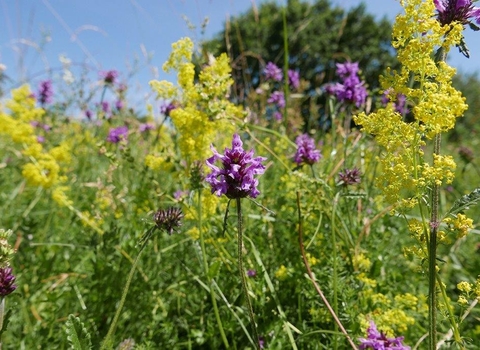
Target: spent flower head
168	219
6	281
378	341
306	151
349	177
236	178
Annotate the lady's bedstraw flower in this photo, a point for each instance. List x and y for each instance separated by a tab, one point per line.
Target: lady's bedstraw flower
6	281
236	178
306	151
273	72
378	341
45	92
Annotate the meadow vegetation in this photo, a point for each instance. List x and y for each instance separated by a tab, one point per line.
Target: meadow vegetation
274	210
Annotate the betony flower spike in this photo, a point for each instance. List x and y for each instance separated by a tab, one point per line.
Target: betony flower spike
236	177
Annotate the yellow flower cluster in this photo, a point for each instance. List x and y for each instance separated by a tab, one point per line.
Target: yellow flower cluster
43	167
204	111
436	105
461	224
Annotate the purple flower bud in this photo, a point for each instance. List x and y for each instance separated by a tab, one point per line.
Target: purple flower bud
119	105
273	72
45	92
306	152
251	273
88	114
105	107
109	76
6	281
166	108
236	178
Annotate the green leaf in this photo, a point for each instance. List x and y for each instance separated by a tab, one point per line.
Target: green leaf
465	202
213	269
77	335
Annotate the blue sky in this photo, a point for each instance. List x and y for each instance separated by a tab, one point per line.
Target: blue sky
113	34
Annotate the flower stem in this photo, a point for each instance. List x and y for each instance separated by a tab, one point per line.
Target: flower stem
207	275
242	274
432	242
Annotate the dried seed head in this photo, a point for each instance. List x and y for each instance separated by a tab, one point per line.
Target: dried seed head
168	219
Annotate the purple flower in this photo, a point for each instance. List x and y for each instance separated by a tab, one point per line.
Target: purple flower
236	178
251	273
378	341
277	98
278	115
351	90
294	78
45	92
273	72
105	107
109	76
6	281
457	11
88	114
306	152
119	105
40	139
146	126
400	103
166	108
179	194
349	177
115	135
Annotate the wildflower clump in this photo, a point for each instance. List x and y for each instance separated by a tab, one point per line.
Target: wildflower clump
379	341
407	174
202	108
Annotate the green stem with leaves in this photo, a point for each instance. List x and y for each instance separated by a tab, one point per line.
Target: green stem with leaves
335	268
207	274
242	273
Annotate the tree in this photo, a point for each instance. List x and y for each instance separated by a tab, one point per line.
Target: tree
319	36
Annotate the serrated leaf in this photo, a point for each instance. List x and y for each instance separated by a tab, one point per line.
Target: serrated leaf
6	320
77	335
465	202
